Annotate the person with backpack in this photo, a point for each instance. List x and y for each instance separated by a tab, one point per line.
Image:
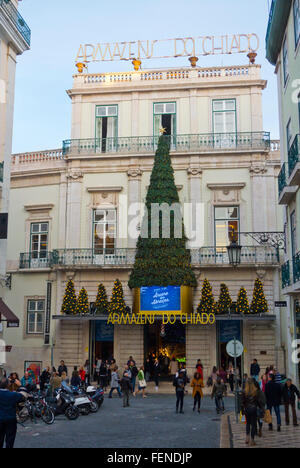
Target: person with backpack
219	391
179	384
289	394
197	385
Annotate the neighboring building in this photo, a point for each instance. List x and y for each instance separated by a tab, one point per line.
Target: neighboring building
14	40
70	213
283	51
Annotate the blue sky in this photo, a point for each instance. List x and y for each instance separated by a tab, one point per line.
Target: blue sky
42	107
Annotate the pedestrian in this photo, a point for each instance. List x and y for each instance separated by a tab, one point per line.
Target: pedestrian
156	374
249	409
148	370
197	385
213	377
115	384
230	376
142	384
199	368
173	367
82	375
179	384
126	387
87	378
65	378
134	372
8	416
223	375
27	382
289	397
219	391
261	410
62	368
55	382
45	378
273	394
278	377
97	370
255	370
75	380
184	371
130	360
103	375
14	382
263	382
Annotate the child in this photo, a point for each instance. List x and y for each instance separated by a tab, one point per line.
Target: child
218	392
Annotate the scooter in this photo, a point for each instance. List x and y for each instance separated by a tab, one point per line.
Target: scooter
83	402
96	394
63	403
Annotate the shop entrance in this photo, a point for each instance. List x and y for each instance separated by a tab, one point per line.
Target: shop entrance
164	343
227	330
101	341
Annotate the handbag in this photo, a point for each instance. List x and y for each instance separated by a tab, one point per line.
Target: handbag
142	384
268	417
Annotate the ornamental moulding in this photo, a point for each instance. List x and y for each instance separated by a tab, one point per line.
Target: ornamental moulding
104	189
134	173
194	171
227	187
40	207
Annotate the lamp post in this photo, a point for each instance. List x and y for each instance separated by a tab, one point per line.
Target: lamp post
234	253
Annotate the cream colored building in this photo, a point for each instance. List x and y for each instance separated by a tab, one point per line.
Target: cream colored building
222	158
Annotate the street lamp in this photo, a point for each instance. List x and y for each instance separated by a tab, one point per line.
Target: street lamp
234	253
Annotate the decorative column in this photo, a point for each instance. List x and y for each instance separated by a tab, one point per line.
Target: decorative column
195	199
74	192
259	198
134	197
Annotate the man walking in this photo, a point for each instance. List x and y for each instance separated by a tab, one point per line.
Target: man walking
126	387
179	384
8	418
289	397
255	370
273	396
62	368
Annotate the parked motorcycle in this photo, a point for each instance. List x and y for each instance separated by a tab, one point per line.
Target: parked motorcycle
96	394
84	403
63	403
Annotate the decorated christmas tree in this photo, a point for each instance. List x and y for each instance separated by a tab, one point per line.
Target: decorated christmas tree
207	302
162	258
224	304
242	305
117	303
69	301
259	303
82	306
101	304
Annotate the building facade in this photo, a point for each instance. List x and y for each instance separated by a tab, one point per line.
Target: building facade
72	210
283	44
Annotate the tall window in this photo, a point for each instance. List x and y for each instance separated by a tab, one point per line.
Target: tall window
289	135
35	316
165	117
285	60
293	233
106	128
105	230
226	225
39	240
297	21
224	122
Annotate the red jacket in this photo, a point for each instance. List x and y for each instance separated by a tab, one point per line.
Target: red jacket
82	375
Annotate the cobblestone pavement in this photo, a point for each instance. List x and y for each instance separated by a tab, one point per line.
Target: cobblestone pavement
234	435
149	423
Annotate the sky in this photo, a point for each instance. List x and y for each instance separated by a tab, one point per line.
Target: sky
43	109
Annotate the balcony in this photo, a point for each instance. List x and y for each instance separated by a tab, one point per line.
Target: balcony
34	261
17	20
1	171
294	166
203	143
205	256
285	275
296	267
285	191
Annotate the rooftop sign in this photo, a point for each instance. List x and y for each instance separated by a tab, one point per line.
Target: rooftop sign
169	48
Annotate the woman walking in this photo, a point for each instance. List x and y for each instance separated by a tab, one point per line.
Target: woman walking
156	373
142	384
197	385
249	409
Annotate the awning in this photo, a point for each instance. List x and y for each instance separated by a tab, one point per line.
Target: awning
11	319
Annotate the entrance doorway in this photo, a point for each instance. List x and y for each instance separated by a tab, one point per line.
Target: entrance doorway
165	343
227	330
101	341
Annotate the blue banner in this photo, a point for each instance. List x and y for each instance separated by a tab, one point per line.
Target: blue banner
160	299
228	330
104	331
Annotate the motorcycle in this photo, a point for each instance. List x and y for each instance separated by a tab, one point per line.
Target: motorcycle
83	402
63	403
96	394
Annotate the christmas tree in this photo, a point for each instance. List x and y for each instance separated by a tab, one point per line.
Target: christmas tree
259	303
162	259
207	302
101	304
82	306
242	305
117	303
69	301
224	304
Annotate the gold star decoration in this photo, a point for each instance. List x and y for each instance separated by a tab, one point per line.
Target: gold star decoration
162	130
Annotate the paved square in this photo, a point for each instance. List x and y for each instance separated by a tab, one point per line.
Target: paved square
149	423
